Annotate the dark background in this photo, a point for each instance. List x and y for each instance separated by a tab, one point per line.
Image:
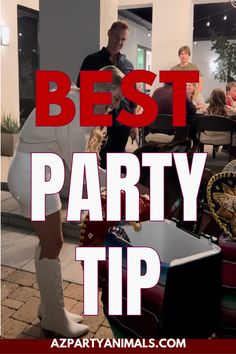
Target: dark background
203	13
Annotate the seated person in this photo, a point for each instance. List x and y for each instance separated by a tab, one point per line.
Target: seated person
184	54
218	105
231	94
194	96
163	98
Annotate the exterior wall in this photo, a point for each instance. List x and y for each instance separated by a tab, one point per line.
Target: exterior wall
172	28
138	36
9	57
204	58
108	15
68	32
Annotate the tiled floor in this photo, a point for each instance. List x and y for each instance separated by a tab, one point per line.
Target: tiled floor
19	289
20	301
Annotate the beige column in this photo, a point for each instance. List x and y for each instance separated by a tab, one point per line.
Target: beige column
70	30
172	28
108	15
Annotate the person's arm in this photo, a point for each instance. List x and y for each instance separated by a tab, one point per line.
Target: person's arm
86	65
199	102
134	132
126	66
200	84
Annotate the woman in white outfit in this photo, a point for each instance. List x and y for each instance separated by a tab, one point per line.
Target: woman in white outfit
63	141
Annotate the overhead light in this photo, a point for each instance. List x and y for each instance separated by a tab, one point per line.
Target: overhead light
208	23
225	18
149	34
195	42
20	34
5	35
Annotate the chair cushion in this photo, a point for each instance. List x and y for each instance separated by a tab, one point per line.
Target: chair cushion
215	138
159	138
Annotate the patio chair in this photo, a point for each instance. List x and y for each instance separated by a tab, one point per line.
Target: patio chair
160	131
215	131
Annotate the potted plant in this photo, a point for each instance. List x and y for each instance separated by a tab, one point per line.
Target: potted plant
9	135
226	59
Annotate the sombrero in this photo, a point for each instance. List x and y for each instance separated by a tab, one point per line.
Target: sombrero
230	167
221	197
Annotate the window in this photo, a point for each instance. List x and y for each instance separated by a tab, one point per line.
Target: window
28	54
144	57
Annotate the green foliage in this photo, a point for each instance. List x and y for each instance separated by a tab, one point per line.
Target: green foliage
9	125
226	60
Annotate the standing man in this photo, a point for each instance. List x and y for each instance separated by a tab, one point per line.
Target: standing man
184	56
117	135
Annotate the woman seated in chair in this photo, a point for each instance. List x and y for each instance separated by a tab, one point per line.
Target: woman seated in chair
219	107
195	97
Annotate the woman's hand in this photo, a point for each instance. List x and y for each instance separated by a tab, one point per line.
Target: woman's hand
134	134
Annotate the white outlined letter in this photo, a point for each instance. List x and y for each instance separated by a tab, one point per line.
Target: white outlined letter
84	164
136	281
157	162
44	182
116	183
90	256
190	181
115	281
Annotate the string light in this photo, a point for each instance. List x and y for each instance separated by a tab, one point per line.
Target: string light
215	14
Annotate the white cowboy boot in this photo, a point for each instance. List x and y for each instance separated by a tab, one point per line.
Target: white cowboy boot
55	320
72	316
